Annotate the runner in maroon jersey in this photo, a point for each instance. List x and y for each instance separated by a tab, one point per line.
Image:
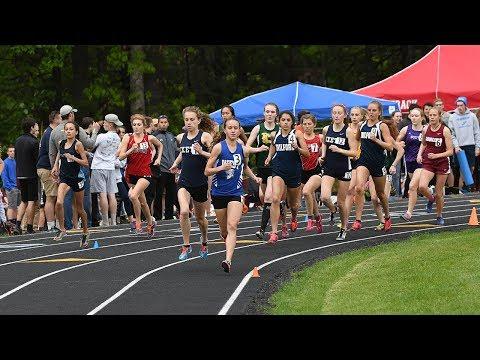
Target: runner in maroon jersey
136	148
311	178
433	154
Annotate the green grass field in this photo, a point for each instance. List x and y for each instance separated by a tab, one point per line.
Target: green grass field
427	274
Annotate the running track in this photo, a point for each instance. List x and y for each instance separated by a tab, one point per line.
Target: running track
136	275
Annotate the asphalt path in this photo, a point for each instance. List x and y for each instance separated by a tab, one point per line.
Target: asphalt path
129	274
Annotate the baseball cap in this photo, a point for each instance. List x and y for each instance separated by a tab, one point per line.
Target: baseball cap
66	109
114	119
462	99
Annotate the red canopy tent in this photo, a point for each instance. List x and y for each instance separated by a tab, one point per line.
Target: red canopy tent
448	71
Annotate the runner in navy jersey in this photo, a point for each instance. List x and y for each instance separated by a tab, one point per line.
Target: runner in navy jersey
339	144
136	148
227	164
433	154
284	154
311	171
375	138
71	154
261	134
411	136
194	143
357	116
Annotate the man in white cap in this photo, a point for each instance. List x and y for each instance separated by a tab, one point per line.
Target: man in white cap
103	179
465	134
67	113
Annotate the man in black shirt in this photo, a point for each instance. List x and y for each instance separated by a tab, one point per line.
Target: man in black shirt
26	156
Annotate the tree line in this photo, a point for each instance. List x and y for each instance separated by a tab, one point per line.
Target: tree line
162	79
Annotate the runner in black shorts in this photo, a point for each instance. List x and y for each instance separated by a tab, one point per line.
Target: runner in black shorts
194	143
375	139
311	171
339	144
262	135
71	155
284	154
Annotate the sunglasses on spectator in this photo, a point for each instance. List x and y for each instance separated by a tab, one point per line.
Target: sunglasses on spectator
163	117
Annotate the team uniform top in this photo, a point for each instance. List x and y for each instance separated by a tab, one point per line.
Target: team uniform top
413	140
286	162
435	143
370	151
138	162
314	147
263	138
193	164
69	169
229	183
333	160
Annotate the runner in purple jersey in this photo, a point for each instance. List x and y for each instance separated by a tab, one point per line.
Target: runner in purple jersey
412	137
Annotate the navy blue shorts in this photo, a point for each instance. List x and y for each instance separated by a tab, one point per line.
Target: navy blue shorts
376	170
307	174
76	184
290	181
412	166
339	174
198	193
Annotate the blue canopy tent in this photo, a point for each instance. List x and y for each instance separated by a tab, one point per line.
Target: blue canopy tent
299	96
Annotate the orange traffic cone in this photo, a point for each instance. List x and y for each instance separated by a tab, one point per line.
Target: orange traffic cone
255	272
473	218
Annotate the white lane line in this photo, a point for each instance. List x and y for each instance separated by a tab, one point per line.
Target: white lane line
171	237
301	219
141	277
244	282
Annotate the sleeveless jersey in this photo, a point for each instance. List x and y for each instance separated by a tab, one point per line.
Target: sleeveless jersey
69	169
314	148
369	150
193	164
229	183
435	143
263	138
413	140
138	162
286	160
335	160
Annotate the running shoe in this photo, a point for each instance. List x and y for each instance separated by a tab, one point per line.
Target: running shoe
284	231
357	225
380	227
132	227
318	221
341	235
260	234
203	251
388	224
273	238
294	225
85	239
440	221
17	230
60	235
139	231
406	216
310	226
151	230
226	265
429	206
185	252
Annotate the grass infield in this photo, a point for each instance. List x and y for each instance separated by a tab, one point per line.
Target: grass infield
427	274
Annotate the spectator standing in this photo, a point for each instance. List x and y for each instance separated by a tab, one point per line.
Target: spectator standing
44	169
103	169
26	156
166	179
465	134
9	179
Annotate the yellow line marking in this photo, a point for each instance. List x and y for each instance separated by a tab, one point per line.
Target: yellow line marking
475	201
77	231
414	225
59	260
238	242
